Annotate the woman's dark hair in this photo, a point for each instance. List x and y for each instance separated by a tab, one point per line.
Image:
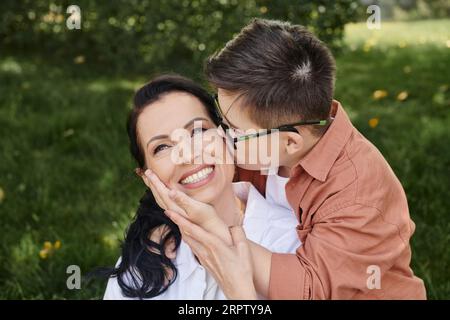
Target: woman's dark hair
144	269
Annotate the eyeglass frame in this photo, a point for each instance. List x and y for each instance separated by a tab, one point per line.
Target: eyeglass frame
283	128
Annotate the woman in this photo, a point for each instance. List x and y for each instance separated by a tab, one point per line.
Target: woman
146	270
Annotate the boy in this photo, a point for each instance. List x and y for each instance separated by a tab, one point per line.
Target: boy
353	216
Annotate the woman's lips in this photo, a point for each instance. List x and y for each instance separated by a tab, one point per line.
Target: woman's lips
191	172
198	177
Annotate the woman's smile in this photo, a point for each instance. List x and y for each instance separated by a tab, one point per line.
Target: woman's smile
198	177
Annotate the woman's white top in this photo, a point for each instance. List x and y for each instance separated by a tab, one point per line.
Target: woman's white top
269	222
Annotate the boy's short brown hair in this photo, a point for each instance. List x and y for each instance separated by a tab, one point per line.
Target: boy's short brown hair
285	73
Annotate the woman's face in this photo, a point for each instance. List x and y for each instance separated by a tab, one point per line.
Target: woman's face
155	125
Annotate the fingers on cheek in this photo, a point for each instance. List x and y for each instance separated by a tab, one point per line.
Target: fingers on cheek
147	182
175	196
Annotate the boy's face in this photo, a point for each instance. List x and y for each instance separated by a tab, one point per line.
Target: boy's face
255	153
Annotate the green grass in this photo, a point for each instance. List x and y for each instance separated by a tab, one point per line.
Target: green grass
66	173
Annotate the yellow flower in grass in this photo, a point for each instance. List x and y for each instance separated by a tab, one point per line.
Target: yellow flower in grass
48	245
57	244
2	195
373	123
43	254
79	59
49	248
402	96
379	94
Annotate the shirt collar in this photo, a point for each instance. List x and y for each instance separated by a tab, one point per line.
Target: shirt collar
319	161
185	261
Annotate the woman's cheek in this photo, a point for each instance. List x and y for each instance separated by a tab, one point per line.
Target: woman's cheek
164	172
227	174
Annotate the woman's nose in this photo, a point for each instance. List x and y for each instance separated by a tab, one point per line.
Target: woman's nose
200	149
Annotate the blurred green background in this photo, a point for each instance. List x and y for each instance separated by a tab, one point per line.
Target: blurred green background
67	187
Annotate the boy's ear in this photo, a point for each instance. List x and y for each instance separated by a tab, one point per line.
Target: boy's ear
293	143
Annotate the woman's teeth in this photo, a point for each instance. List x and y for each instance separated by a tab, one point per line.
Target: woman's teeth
198	176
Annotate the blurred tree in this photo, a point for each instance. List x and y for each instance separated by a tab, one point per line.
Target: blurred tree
130	35
411	9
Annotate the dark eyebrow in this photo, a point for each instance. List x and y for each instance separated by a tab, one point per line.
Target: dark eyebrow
166	136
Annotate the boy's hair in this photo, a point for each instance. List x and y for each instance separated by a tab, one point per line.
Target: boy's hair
284	72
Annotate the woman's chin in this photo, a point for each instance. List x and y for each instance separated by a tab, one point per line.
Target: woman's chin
207	194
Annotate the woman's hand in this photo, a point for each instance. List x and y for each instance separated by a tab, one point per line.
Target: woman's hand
230	265
160	192
223	251
260	256
200	213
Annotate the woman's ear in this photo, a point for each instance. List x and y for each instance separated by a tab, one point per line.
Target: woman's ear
294	143
141	173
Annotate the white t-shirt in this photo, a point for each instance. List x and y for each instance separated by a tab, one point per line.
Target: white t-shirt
269	222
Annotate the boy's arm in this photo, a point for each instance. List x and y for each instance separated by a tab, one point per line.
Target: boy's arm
334	258
336	254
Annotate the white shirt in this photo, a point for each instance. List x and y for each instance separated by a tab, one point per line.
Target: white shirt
269	222
275	191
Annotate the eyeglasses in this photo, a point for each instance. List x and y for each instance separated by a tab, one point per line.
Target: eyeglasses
241	136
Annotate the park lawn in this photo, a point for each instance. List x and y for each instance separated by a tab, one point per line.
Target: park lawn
66	175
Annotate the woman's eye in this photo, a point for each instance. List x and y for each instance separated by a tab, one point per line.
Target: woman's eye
160	148
198	130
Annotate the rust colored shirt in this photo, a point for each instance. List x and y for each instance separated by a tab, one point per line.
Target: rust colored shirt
354	223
